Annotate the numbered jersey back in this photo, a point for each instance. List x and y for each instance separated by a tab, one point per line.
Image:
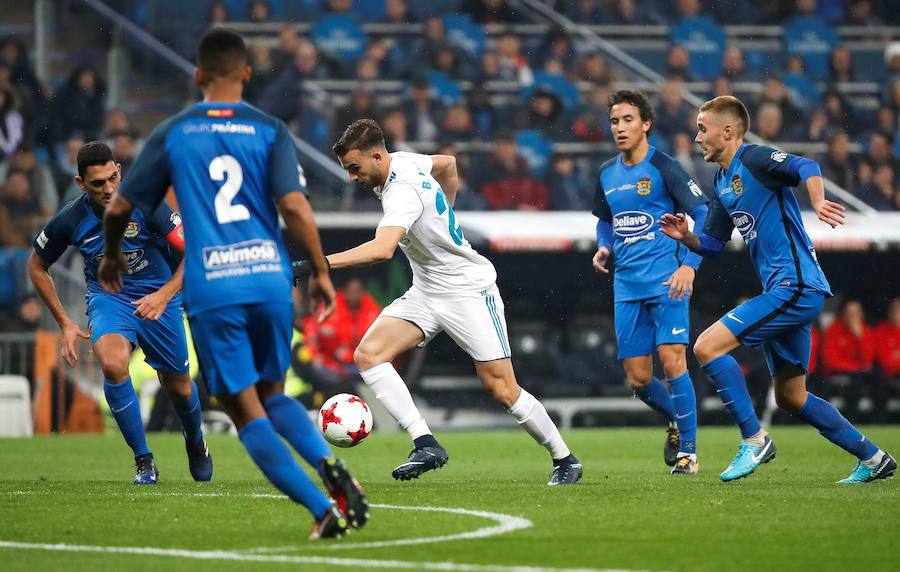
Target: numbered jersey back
441	258
229	164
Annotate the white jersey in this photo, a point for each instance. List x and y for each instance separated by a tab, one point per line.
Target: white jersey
442	260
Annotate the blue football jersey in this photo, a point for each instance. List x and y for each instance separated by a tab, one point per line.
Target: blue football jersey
151	259
632	198
229	163
755	195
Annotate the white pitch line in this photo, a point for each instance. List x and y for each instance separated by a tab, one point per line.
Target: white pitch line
326	560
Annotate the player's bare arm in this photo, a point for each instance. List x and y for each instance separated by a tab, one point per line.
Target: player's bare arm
153	306
300	222
113	265
600	259
379	249
828	212
39	271
675	226
443	169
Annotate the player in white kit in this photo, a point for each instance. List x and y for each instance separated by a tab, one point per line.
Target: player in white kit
453	291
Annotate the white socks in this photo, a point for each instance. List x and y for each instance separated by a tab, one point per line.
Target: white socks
392	392
875	460
757	440
532	416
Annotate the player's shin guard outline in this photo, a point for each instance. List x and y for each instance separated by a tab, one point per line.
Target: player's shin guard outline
685	402
731	386
292	422
393	394
533	418
126	410
835	427
657	397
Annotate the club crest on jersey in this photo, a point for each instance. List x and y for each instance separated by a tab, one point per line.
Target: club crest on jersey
131	230
643	187
737	185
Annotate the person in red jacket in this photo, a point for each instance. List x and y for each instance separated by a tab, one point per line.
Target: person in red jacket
332	342
887	357
506	183
848	353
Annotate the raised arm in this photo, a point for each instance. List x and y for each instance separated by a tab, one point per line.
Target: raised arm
443	169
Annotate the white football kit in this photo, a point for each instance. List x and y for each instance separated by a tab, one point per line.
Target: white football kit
454	288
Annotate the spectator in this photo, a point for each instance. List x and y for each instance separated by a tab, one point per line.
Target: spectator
542	112
490	12
260	11
217	14
367	70
837	163
592	118
12	125
887	122
733	65
490	69
484	116
569	191
65	168
287	46
628	13
284	96
397	12
423	111
887	337
861	13
396	132
593	68
40	178
331	344
434	37
114	122
722	86
20	210
125	151
774	91
447	60
23	79
817	128
506	182
769	122
457	124
841	66
848	352
362	106
879	151
678	62
881	192
264	73
339	7
687	154
672	112
557	47
513	65
79	105
586	11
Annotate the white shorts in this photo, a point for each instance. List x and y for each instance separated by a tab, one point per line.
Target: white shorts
475	320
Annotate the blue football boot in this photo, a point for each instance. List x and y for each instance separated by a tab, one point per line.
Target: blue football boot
199	460
145	470
863	474
748	458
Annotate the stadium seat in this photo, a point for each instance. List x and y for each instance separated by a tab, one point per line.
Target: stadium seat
15	407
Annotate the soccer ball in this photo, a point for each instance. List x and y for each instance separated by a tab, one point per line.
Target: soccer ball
345	420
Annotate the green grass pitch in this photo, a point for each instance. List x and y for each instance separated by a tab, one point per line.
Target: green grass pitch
627	513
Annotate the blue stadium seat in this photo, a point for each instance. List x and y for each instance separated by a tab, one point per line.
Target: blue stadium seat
340	36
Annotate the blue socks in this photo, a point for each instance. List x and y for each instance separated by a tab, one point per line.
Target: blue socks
189	413
293	423
835	427
731	386
274	459
126	409
685	403
657	397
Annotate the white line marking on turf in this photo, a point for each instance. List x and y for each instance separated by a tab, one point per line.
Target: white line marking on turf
326	560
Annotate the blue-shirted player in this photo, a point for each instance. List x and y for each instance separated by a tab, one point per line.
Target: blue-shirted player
654	274
234	169
753	193
147	311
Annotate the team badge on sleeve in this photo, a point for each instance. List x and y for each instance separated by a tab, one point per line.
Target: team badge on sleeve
643	187
737	185
42	239
695	188
131	230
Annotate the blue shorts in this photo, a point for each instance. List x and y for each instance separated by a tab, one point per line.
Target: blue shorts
240	345
163	340
643	325
780	322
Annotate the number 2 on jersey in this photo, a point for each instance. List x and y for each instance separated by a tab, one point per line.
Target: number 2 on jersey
226	168
440	203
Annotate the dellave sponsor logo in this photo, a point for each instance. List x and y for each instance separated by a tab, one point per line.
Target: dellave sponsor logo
743	222
241	253
631	223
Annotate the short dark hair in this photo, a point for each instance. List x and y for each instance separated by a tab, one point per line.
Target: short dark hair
221	53
362	134
93	154
637	99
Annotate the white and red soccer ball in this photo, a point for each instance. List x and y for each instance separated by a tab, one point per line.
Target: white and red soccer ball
345	420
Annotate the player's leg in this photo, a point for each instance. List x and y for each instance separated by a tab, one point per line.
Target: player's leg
113	335
787	356
224	349
407	322
635	335
671	318
498	377
165	350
